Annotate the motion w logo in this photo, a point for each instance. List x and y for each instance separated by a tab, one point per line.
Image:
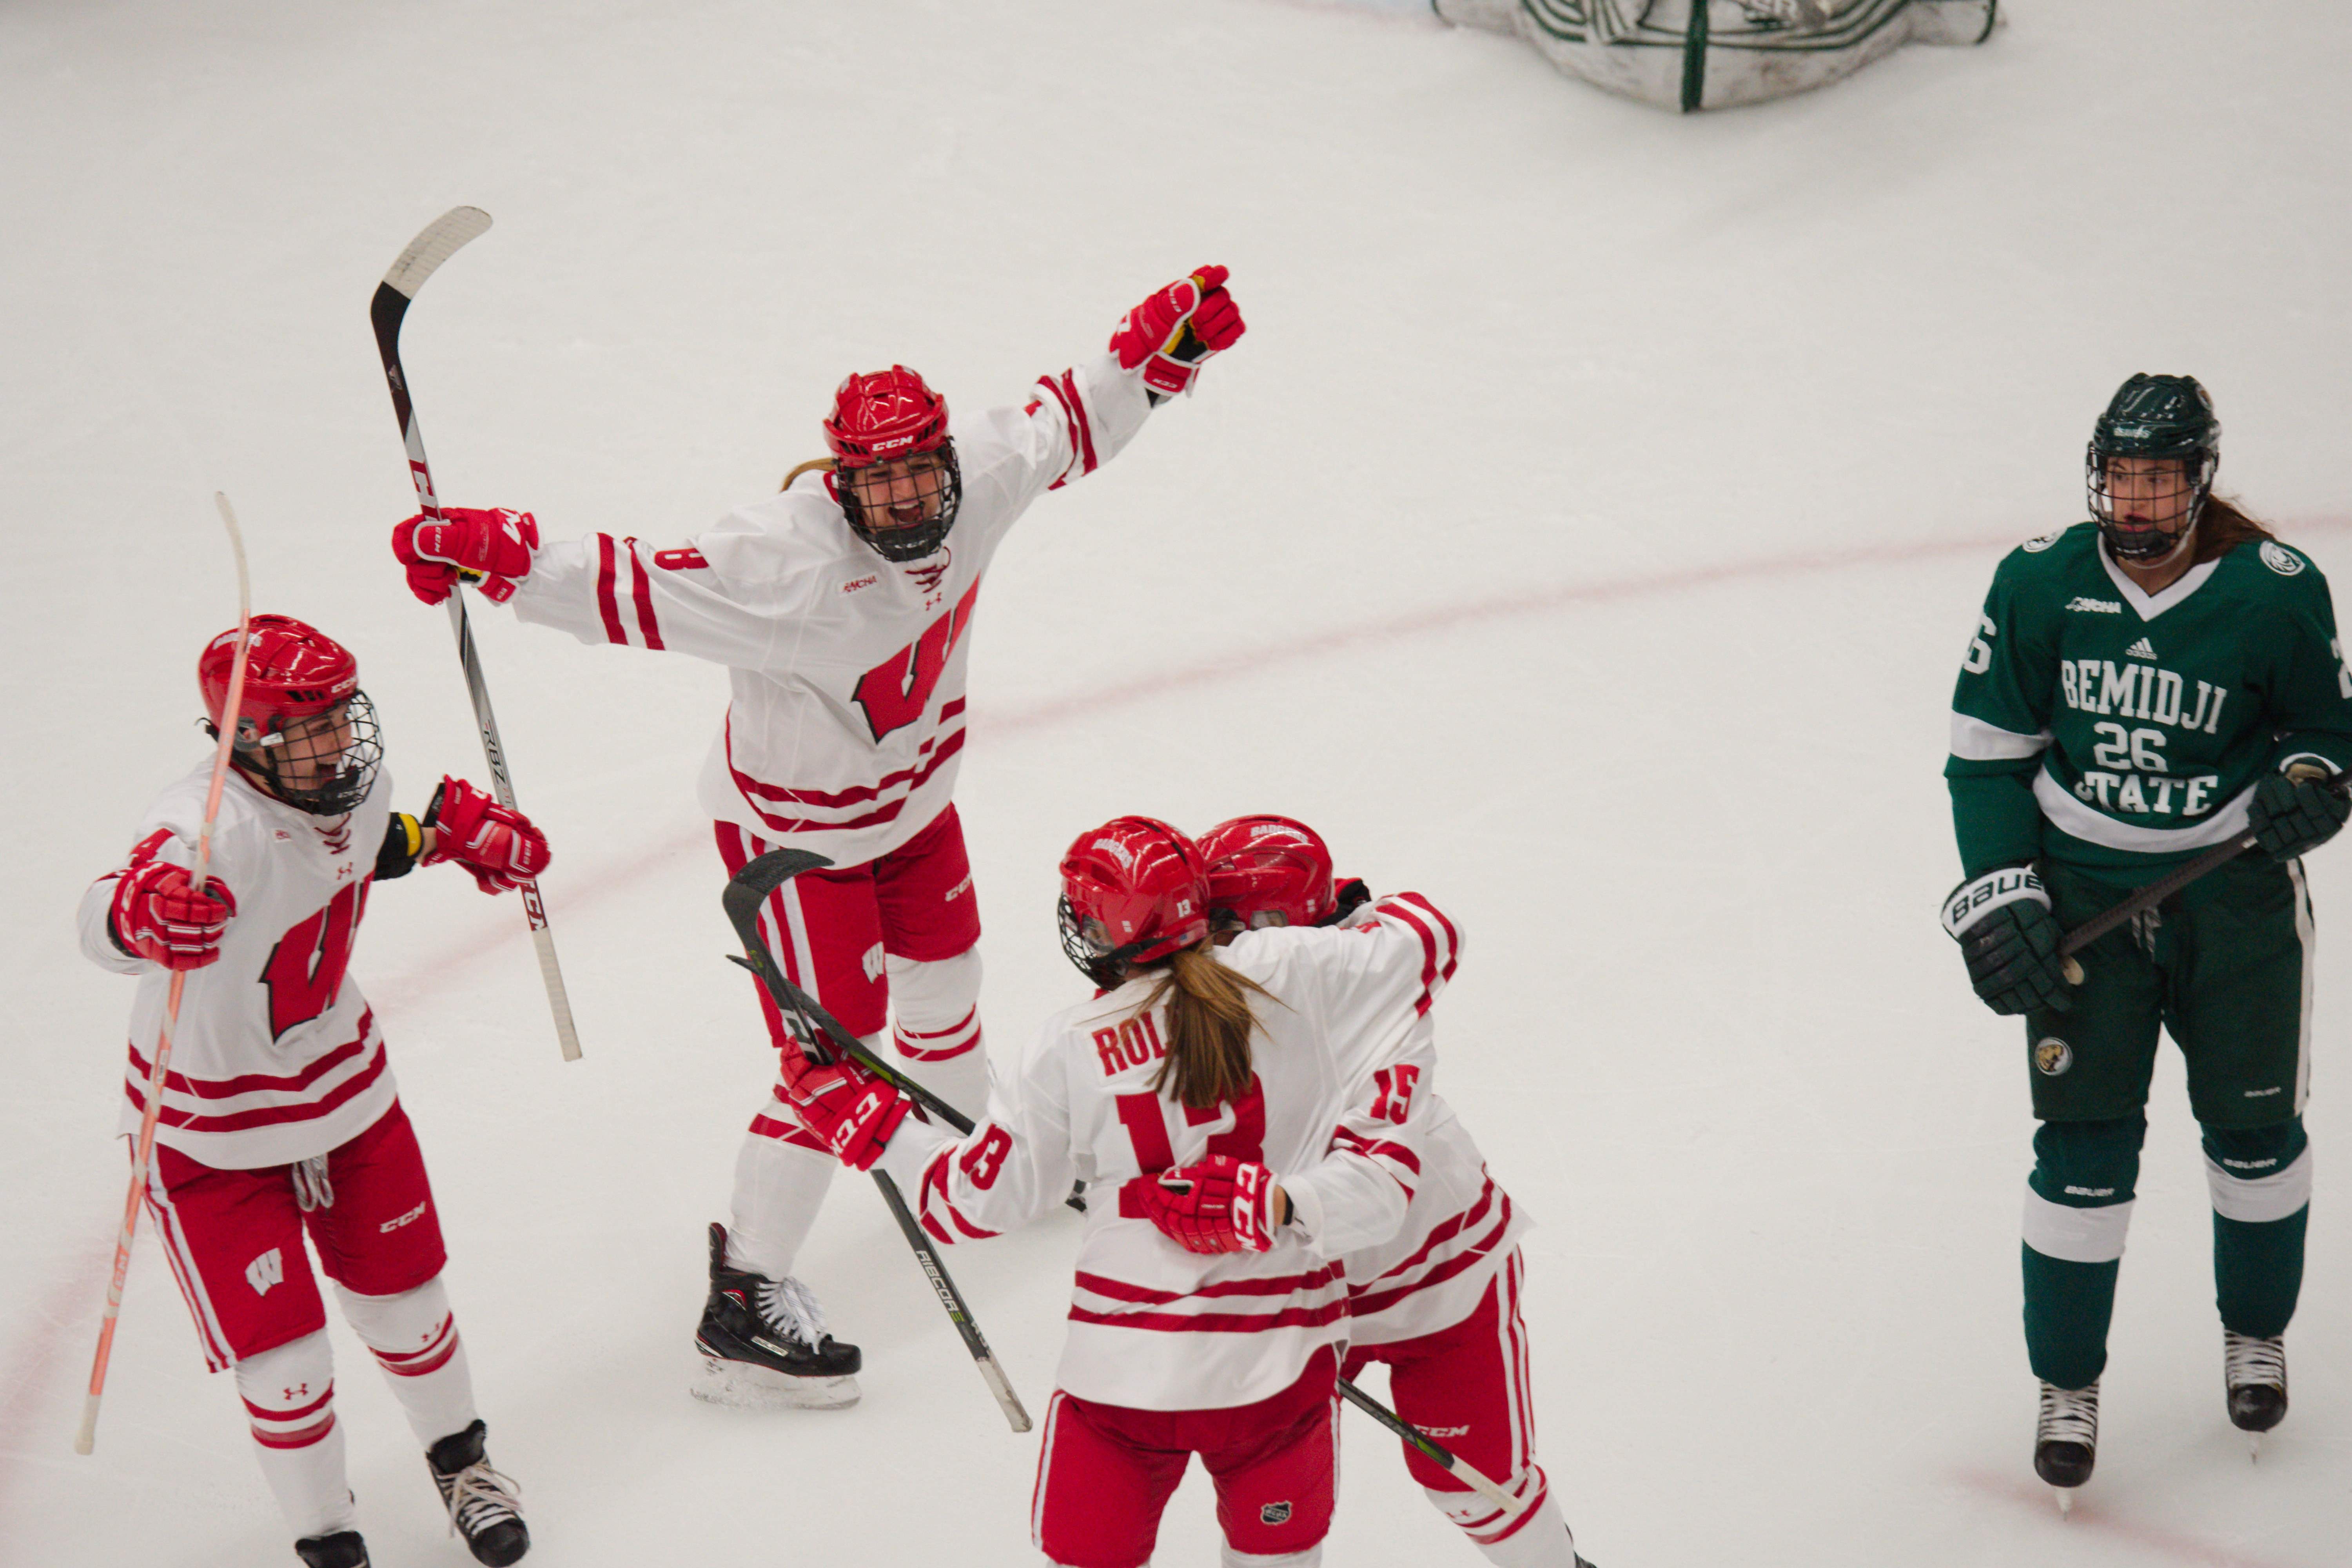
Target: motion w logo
264	1271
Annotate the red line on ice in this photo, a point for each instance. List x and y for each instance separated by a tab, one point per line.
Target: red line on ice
2088	1515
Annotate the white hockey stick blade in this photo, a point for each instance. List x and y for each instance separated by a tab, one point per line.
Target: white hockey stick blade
440	240
1002	1386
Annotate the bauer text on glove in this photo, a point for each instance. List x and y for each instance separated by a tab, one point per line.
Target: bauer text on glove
2010	940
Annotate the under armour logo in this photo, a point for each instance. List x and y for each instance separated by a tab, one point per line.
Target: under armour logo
299	1391
264	1271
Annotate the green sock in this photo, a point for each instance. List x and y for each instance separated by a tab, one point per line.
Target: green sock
2067	1308
2258	1272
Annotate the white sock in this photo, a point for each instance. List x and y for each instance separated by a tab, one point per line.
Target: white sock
935	1028
1232	1559
289	1398
416	1342
1538	1539
778	1188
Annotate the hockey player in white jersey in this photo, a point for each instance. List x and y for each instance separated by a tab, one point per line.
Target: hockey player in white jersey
280	1116
1244	1117
1438	1302
842	607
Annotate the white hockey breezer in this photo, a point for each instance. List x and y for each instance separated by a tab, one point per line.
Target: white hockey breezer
1714	54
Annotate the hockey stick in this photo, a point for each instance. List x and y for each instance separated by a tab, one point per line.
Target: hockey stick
2164	887
1436	1453
439	241
143	1149
750	889
746	892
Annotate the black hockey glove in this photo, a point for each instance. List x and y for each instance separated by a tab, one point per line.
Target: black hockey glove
2294	812
2009	938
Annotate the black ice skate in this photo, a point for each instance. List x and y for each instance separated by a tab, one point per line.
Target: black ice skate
2254	1372
2066	1438
344	1549
764	1343
484	1506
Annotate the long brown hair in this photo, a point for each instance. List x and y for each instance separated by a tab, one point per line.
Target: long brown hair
2221	527
824	463
1209	1024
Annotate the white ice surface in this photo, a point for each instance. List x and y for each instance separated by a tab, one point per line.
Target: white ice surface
1585	532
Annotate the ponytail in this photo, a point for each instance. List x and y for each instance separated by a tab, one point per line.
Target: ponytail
824	463
1209	1024
2222	528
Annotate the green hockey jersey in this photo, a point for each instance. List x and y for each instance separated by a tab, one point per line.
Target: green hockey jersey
2099	726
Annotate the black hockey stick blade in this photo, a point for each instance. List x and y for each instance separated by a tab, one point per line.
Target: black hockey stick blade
746	892
2164	887
1436	1453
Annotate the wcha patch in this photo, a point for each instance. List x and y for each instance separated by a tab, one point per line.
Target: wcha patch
1275	1513
2053	1056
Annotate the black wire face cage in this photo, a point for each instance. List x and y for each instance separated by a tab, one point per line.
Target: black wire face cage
1083	945
909	529
347	733
2190	474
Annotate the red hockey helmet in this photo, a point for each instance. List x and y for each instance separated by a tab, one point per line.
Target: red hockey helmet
1268	870
1132	890
305	730
890	419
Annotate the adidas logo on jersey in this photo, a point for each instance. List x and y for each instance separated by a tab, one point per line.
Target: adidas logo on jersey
2102	606
2140	650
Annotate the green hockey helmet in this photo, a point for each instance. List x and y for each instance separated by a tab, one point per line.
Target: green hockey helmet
2164	430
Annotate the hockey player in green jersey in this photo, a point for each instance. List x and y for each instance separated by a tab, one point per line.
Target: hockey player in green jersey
2142	686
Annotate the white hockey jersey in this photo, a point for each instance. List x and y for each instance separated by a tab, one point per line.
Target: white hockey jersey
846	717
276	1056
1457	1234
1335	1111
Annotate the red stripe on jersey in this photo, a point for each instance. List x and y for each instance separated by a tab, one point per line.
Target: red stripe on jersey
1371	1301
1086	430
1281	1285
643	591
1447	1230
254	1082
294	1415
301	1438
1216	1323
268	1116
887	812
604	592
935	1181
1453	937
1410	920
1069	421
849	796
1377	1148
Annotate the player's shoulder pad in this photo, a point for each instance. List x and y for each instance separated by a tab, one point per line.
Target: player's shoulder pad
2271	563
2049	554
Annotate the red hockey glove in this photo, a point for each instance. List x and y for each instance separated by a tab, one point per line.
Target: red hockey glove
847	1108
496	844
490	545
1222	1205
159	916
1173	333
